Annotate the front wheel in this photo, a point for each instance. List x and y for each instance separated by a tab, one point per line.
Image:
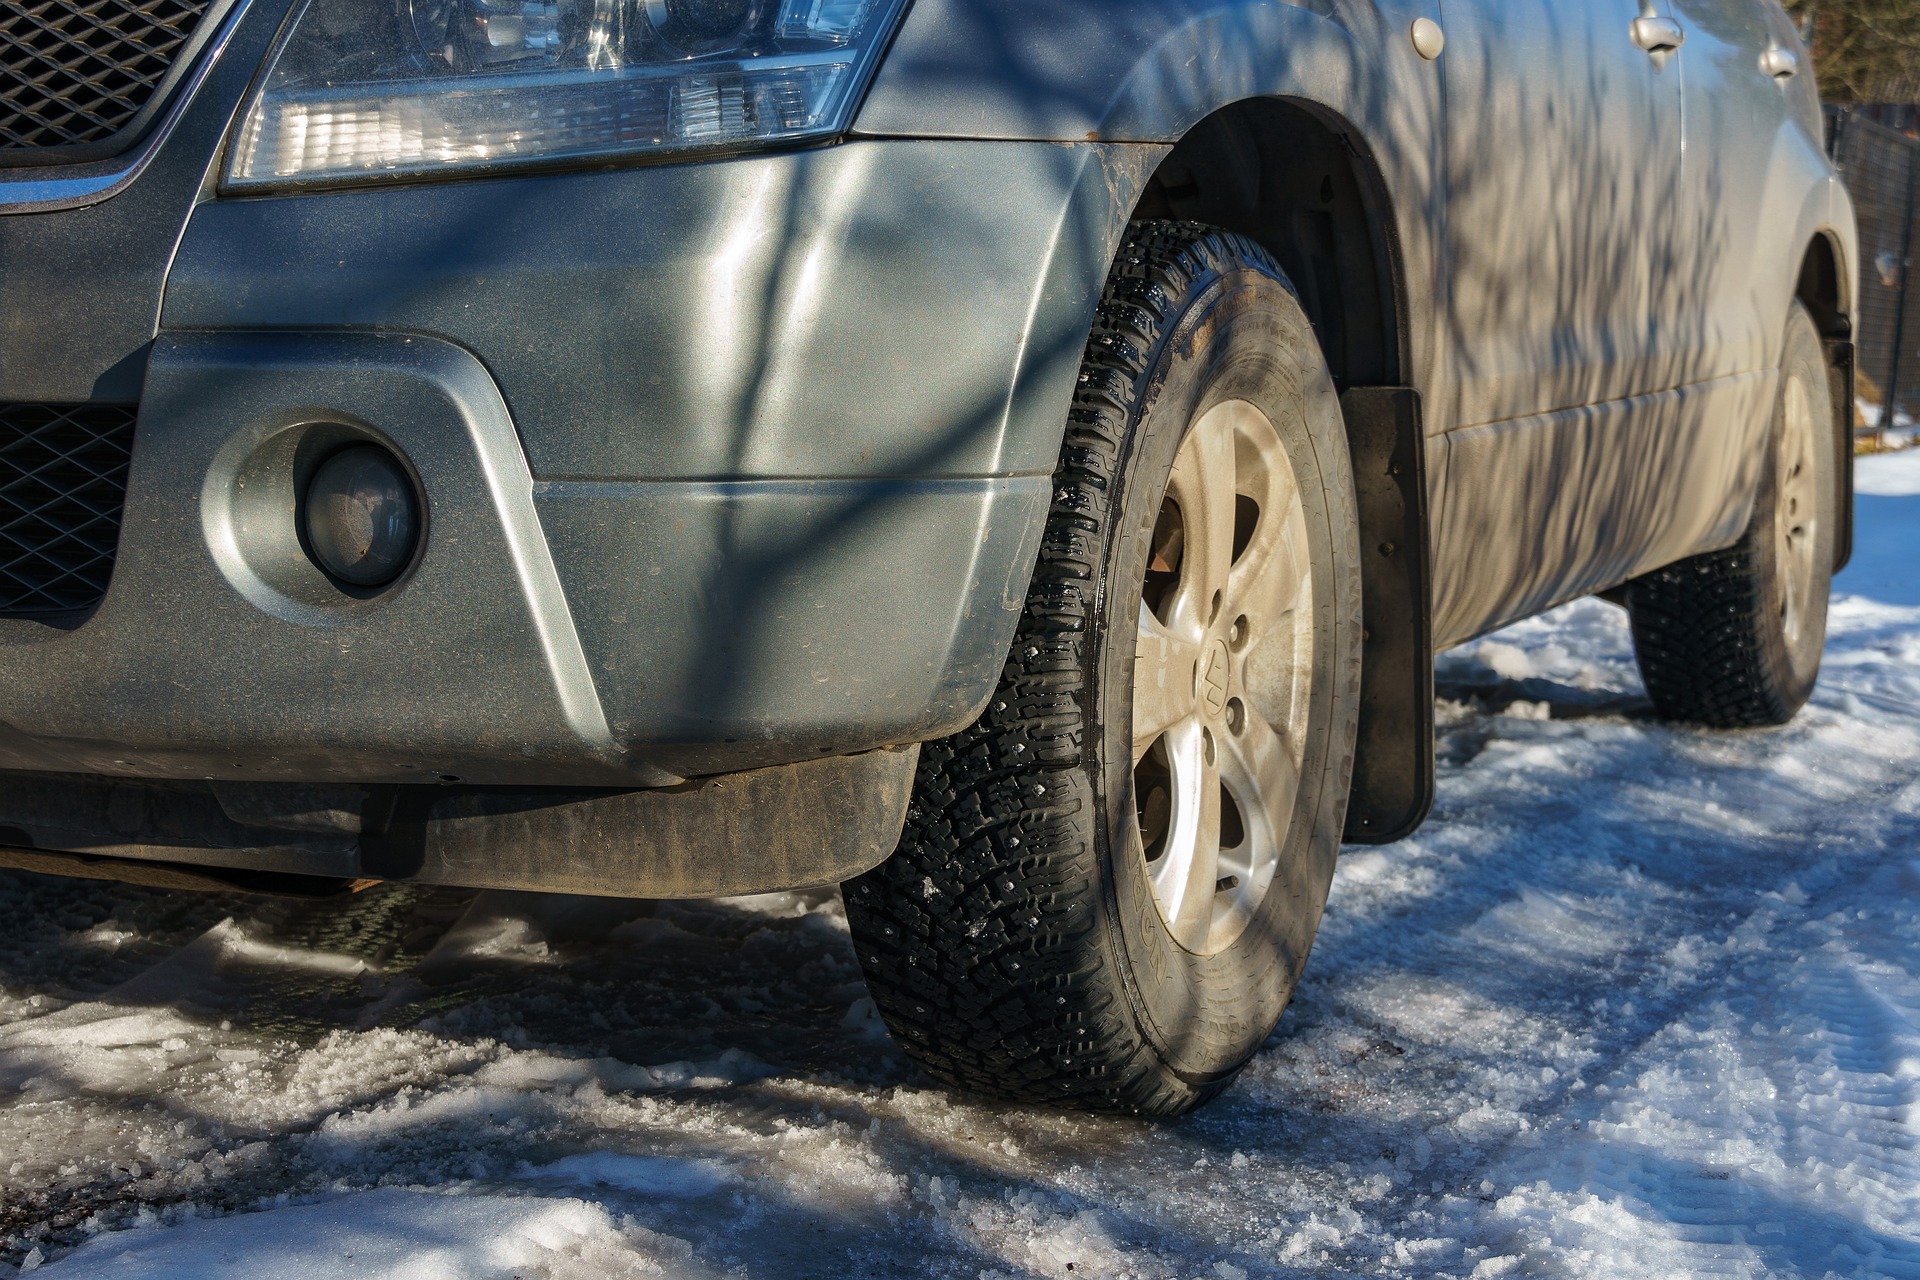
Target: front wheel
1108	885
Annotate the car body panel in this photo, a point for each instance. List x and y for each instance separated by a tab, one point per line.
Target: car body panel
874	309
583	633
1755	167
1150	70
1516	536
734	624
1125	70
1563	162
1651	457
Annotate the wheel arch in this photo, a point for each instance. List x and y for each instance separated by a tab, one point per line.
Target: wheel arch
1298	180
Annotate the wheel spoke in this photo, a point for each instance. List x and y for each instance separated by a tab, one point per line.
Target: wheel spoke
1185	875
1202	486
1796	506
1267	576
1271	574
1257	766
1162	681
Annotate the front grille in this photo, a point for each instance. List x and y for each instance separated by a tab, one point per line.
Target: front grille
63	481
74	72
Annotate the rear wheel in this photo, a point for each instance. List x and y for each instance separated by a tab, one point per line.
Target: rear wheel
1732	639
1108	886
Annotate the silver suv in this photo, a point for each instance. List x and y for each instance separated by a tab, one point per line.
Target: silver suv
1016	458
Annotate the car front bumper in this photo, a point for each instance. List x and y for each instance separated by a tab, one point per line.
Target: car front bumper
727	465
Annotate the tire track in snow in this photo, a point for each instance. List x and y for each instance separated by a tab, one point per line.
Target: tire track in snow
1765	1131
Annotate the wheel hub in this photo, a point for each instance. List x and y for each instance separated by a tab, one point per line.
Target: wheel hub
1212	678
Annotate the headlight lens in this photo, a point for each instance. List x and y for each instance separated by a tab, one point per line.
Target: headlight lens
363	87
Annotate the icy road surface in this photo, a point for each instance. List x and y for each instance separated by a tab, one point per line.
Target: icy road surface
1638	1002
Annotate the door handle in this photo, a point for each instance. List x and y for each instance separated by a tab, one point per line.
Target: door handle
1781	64
1658	35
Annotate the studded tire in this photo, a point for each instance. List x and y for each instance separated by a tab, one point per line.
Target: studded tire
1012	943
1731	639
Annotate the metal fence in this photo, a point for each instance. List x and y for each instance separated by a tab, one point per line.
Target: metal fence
1878	152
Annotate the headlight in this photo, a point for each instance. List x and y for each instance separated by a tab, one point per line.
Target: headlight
362	87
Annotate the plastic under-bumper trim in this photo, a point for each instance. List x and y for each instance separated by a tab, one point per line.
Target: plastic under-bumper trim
786	827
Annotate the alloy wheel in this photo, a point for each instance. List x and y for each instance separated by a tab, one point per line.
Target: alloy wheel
1222	665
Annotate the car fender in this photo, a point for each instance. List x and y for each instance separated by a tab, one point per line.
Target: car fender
1843	232
1811	203
1112	70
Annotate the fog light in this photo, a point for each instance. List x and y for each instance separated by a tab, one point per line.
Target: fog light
362	516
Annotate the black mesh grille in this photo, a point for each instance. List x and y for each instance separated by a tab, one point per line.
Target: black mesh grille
63	480
78	71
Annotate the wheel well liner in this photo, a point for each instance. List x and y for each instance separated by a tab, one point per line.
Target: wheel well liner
1302	185
1819	288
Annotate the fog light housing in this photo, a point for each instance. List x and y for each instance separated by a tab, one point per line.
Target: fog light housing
361	516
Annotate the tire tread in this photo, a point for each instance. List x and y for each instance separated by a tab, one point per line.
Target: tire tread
1696	634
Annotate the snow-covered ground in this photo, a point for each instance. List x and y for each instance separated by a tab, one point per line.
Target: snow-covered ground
1639	1001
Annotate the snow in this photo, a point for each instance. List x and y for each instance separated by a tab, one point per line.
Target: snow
651	1175
389	1235
1640	1001
1888	475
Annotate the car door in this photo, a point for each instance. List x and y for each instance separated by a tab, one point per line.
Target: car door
1563	154
1751	121
1563	159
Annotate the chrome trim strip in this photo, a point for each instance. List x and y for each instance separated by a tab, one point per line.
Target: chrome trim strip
31	192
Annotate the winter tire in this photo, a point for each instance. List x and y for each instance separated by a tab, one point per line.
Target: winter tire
1732	639
1108	885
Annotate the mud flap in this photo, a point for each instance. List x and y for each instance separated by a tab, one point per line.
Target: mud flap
1393	778
1840	378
